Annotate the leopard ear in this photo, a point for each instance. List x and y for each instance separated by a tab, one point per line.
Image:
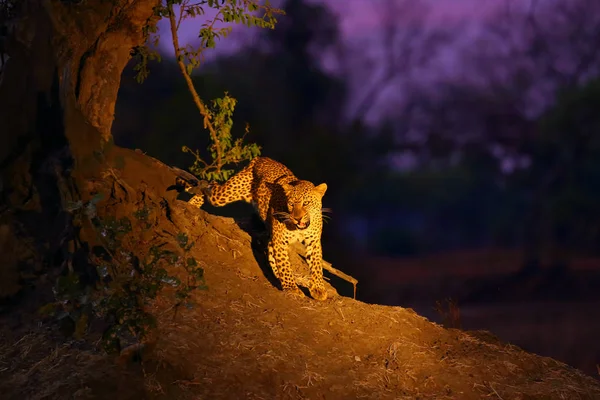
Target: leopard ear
321	189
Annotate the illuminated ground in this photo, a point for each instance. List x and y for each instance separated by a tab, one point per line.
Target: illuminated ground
246	340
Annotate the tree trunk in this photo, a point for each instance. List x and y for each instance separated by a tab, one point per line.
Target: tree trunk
57	98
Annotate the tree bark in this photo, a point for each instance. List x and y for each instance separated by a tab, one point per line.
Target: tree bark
57	97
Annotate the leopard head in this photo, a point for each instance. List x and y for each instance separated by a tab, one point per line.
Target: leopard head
303	202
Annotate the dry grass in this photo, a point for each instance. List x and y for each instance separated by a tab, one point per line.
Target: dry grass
36	367
246	340
250	339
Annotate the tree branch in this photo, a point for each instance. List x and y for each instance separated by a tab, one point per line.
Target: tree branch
199	103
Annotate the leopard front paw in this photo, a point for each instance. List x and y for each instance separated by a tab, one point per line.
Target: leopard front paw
318	293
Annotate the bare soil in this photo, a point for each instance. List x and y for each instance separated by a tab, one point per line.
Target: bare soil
245	339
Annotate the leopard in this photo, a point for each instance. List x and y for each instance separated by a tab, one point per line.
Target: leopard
291	209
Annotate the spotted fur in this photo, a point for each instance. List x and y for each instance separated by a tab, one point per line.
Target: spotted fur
291	209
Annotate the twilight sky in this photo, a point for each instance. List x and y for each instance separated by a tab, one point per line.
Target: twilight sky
360	23
360	18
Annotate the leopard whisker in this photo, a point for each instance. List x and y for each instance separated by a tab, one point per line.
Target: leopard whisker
326	210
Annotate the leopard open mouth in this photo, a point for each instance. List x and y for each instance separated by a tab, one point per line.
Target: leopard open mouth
303	225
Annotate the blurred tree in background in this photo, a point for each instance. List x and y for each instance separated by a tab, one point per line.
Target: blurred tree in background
562	179
510	125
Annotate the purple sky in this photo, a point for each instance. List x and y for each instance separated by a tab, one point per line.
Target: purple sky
358	18
361	23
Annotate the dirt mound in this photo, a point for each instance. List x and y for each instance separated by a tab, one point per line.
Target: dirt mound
245	339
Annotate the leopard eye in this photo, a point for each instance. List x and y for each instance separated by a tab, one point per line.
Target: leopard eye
306	202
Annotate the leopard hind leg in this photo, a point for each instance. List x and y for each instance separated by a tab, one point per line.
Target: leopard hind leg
236	188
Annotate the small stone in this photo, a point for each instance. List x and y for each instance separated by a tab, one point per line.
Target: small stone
356	358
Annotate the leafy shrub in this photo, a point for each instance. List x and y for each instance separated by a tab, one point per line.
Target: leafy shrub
126	282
